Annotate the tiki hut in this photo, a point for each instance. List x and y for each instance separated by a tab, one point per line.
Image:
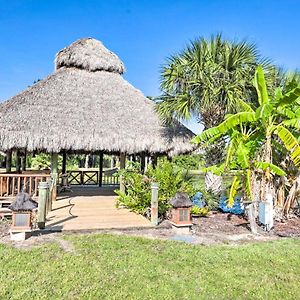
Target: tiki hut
87	106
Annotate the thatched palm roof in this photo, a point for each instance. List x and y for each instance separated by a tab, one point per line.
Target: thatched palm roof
86	105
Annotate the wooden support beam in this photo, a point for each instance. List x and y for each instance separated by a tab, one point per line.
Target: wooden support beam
154	161
143	162
64	162
54	175
100	167
18	162
8	161
122	166
24	160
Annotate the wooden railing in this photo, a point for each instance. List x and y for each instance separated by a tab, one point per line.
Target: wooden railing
91	178
12	184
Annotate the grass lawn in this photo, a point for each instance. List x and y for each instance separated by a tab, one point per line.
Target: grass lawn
118	267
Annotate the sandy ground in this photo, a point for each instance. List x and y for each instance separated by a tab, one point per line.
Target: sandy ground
218	228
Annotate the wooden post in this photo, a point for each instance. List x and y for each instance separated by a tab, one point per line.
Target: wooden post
24	160
154	161
54	175
143	162
43	205
18	162
122	166
111	162
100	167
8	161
64	162
154	203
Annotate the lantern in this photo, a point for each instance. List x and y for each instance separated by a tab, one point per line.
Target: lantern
22	209
181	211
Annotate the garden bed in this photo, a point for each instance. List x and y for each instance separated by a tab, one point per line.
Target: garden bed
217	228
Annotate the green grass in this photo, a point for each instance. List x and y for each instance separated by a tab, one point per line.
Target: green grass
119	267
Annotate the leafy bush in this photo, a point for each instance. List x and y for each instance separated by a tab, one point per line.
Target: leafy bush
203	211
211	200
189	162
138	190
137	197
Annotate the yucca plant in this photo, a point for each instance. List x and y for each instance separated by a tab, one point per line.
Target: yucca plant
255	134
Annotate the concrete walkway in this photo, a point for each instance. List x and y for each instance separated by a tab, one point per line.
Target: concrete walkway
91	208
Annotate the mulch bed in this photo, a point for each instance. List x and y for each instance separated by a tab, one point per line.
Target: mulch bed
217	228
232	224
221	223
288	228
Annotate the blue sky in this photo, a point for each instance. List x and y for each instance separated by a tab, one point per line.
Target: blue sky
141	33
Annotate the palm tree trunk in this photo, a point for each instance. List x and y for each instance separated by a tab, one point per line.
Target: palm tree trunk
213	183
291	198
214	155
266	181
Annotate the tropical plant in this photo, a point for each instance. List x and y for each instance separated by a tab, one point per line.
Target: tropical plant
137	197
189	162
201	212
256	136
205	81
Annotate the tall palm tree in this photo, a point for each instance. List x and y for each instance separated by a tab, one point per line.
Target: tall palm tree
205	81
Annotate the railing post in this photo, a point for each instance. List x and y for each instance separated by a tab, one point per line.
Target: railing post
48	198
122	167
54	173
154	203
42	204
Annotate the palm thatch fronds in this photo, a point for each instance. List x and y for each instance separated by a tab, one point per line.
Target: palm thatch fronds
86	105
91	55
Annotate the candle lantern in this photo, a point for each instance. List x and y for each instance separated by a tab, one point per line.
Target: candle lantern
22	209
181	211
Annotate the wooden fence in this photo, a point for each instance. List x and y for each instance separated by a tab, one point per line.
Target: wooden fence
92	178
12	184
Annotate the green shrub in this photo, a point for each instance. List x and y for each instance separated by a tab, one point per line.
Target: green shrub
211	200
138	190
137	197
189	162
202	212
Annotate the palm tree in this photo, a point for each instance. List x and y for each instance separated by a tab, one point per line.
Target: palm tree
205	81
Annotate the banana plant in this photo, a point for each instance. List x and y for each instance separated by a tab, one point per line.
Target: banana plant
254	133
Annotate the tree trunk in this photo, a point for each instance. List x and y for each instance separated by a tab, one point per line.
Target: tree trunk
266	181
295	189
214	155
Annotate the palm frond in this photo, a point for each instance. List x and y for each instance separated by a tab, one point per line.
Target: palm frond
273	168
290	142
260	85
295	123
233	190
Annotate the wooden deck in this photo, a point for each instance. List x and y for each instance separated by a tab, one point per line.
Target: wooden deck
91	208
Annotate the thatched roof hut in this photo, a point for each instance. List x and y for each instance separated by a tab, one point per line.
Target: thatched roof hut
86	105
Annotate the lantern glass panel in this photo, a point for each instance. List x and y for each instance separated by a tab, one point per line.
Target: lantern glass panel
22	220
183	215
